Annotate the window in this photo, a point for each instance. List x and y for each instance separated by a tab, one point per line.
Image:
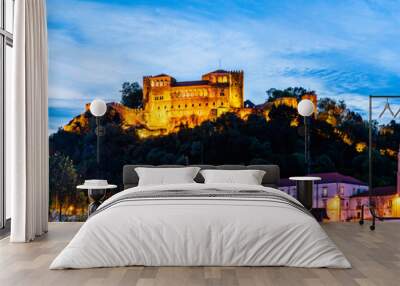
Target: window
341	190
6	44
325	191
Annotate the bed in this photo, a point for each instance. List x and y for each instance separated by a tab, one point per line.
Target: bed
197	224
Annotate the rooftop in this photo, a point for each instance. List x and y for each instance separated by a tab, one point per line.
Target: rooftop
190	83
326	178
379	191
160	75
219	71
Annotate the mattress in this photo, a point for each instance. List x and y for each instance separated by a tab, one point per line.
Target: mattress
201	225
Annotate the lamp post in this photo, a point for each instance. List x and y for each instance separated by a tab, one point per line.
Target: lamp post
98	108
306	109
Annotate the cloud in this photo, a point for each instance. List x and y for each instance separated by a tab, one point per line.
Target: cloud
343	49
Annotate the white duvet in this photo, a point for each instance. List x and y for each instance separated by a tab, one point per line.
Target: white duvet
199	231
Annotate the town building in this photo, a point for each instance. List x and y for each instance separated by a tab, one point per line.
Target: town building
342	197
332	193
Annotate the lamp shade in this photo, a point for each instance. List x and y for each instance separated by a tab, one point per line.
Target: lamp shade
305	107
98	107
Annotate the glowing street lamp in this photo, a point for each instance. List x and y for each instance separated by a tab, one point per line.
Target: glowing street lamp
306	109
98	108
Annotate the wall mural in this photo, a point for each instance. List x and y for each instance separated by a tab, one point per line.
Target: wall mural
200	83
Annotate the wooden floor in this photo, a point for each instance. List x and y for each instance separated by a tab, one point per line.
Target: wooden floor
375	257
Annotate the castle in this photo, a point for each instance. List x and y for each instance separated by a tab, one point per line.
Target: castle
168	103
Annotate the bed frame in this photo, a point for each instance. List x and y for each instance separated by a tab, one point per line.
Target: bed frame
270	179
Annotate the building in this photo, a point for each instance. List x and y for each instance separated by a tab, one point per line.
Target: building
387	202
332	193
343	196
169	103
386	199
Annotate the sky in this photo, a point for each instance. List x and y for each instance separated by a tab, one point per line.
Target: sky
344	50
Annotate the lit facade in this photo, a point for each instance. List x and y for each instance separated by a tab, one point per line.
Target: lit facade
169	103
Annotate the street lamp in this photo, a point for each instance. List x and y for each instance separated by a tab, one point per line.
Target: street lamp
306	109
98	108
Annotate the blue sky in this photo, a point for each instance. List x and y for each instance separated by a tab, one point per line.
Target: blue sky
341	49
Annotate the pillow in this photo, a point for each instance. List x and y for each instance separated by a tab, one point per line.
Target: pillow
248	177
166	176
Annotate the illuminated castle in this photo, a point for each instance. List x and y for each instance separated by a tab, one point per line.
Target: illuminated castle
168	103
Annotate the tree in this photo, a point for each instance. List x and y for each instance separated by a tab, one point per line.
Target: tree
62	180
296	92
131	95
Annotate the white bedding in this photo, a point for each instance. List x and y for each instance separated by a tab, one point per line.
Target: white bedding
200	231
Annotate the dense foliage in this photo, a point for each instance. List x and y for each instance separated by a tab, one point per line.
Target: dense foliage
131	95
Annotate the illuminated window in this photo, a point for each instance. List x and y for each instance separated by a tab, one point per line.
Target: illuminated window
152	83
324	191
341	190
225	79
